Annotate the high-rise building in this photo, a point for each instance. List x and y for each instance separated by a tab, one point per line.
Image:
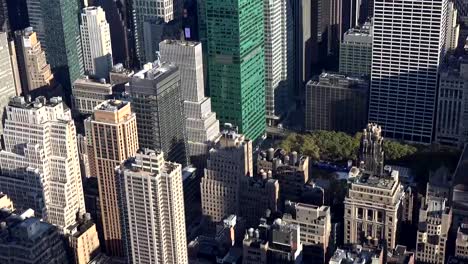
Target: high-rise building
315	224
228	162
276	71
461	243
453	27
336	102
153	209
356	51
236	63
290	169
57	25
88	93
201	124
26	239
112	136
147	10
452	104
34	71
83	240
404	78
96	42
435	218
8	86
156	97
156	30
39	166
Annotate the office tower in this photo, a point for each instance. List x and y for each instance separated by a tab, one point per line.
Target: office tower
147	10
435	217
452	122
302	39
57	25
17	14
453	28
35	72
336	102
39	165
334	26
315	223
112	135
156	30
7	78
26	239
356	51
369	218
290	169
88	93
153	209
278	242
96	42
257	195
404	78
228	161
156	97
276	71
461	243
200	122
236	63
371	153
83	240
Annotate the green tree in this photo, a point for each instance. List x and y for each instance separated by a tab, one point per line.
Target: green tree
395	150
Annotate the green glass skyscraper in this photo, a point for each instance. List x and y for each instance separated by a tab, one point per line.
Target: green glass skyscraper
57	25
236	69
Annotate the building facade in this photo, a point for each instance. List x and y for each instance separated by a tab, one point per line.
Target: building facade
201	124
406	111
57	25
33	68
356	51
228	161
112	138
156	97
83	241
336	102
8	86
461	243
39	166
96	42
88	93
236	63
153	209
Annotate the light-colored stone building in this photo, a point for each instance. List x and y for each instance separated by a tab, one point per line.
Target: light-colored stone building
112	138
39	165
315	224
228	161
153	214
461	243
87	93
83	240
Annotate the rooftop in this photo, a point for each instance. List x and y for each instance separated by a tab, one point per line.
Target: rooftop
39	102
153	71
382	182
180	42
111	105
97	83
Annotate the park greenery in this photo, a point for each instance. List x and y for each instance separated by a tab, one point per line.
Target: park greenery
339	146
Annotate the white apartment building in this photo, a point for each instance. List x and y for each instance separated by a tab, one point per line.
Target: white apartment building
202	127
153	215
96	42
408	46
39	166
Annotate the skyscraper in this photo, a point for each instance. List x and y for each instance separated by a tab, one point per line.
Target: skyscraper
228	162
276	70
112	135
156	97
236	64
200	122
356	51
57	25
34	70
146	10
404	77
88	93
153	209
7	78
39	165
96	42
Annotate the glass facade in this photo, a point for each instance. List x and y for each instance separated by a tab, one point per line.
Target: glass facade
236	70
